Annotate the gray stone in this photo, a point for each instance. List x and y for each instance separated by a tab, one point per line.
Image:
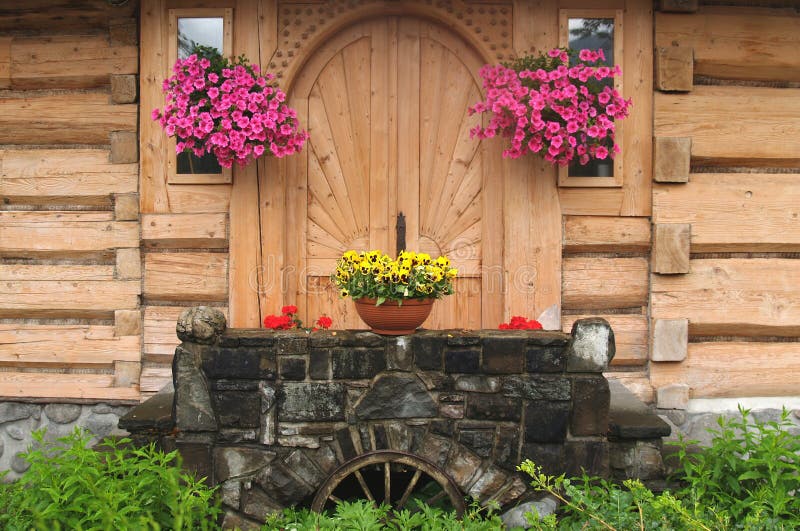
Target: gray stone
304	467
258	505
282	485
435	449
311	402
201	324
19	464
238	462
11	411
488	484
478	384
462	466
516	517
630	418
235	521
231	493
62	413
119	411
155	413
399	356
590	403
101	425
537	387
397	396
192	410
15	432
2	446
357	363
591	347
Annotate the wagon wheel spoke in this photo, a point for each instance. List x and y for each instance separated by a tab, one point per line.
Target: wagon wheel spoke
409	488
387	483
436	497
334	499
364	486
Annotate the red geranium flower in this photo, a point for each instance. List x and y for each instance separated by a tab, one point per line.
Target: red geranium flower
289	310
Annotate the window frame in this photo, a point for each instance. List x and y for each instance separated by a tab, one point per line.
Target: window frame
616	180
226	14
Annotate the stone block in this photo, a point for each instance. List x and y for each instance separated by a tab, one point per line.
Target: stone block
305	467
674	396
488	484
435	449
590	406
428	351
462	361
219	363
232	520
591	347
238	409
282	484
452	411
672	159
546	421
62	413
201	324
192	409
196	458
503	355
399	356
258	504
495	407
397	395
537	387
670	339
123	88
11	411
319	367
506	449
230	492
292	368
319	402
236	436
548	456
288	344
381	437
357	363
236	462
477	384
444	427
480	441
589	456
545	359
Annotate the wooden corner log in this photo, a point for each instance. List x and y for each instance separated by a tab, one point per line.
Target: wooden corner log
678	6
123	32
670	339
126	373
129	264
674	68
127	322
123	88
126	207
675	396
672	159
671	244
124	147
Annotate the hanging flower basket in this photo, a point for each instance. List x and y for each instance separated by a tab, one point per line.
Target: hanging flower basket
547	105
227	108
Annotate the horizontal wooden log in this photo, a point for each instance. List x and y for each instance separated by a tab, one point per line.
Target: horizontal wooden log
186	276
189	198
64	118
630	334
65	387
68	16
185	230
69	346
69	61
604	283
734	369
89	299
55	272
63	176
606	234
734	212
715	117
732	297
62	234
732	43
5	62
154	378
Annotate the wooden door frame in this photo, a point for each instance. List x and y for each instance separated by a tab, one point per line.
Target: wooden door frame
529	258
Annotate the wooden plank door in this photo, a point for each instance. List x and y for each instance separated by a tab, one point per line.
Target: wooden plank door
386	106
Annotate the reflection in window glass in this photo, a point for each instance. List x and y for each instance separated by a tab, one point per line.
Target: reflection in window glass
593	34
194	32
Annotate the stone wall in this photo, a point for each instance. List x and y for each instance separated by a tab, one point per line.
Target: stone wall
270	415
18	420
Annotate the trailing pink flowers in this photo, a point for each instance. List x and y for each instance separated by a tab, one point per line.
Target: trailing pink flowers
227	108
544	105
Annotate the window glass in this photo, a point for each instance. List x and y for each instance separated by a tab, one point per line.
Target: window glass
193	32
593	34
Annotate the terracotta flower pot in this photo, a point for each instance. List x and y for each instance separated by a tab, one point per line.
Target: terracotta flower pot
391	319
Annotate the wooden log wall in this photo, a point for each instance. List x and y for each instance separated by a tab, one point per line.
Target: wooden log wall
70	264
726	204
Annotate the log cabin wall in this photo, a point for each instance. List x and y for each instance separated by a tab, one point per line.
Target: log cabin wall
726	202
70	272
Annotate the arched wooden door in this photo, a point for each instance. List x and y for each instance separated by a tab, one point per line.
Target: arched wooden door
386	104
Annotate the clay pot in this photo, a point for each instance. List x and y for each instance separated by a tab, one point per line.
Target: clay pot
393	319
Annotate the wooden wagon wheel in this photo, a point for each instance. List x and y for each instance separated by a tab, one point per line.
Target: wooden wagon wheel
403	475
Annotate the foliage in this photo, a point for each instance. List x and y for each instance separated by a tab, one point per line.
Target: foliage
519	322
70	486
214	105
546	106
751	469
375	275
288	319
747	479
362	515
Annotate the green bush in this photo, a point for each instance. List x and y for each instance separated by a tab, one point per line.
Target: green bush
70	486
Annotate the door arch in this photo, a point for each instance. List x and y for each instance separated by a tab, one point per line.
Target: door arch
385	102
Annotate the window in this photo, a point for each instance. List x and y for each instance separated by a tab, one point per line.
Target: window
593	29
189	28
